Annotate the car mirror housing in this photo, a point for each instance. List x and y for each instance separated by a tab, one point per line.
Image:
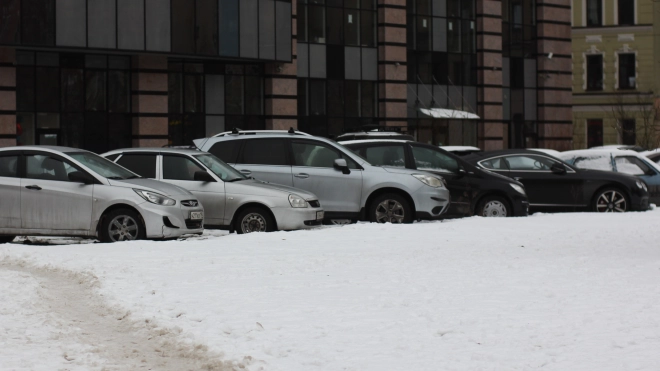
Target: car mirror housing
342	165
203	176
80	177
558	169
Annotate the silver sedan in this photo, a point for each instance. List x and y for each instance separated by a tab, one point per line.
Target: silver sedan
59	191
232	201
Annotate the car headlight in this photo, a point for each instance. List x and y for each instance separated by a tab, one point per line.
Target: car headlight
641	185
518	188
297	201
431	181
155	198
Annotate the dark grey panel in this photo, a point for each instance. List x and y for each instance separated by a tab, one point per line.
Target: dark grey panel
249	23
439	35
71	23
102	24
370	64
283	30
207	27
215	94
130	32
303	60
317	61
352	63
506	72
440	8
506	104
440	95
530	73
530	105
158	25
266	29
228	25
214	125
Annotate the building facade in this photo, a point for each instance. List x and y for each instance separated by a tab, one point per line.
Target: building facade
615	73
104	74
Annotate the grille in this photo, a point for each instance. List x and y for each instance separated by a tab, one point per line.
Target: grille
314	203
193	224
190	203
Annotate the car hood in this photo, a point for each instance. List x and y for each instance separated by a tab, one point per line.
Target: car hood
258	188
608	175
151	185
401	170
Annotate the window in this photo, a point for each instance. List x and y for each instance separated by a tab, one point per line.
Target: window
429	159
632	166
264	152
626	12
142	165
393	155
48	168
595	12
594	72
627	71
179	168
527	163
603	163
317	155
594	133
9	166
628	132
226	151
499	163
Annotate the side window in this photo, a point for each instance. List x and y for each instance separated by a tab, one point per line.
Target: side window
526	163
142	165
9	166
632	166
179	168
316	154
227	151
113	157
594	163
48	168
428	159
263	152
495	164
393	155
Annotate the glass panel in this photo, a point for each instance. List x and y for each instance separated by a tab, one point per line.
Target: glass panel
119	91
73	90
234	95
594	12
440	34
264	152
179	168
96	131
193	93
369	64
25	129
95	82
266	29
283	31
48	168
353	63
38	22
595	72
301	20
183	27
368	99
207	27
352	100
10	14
386	156
351	27
215	94
336	97
158	25
227	151
25	88
316	97
316	24
214	125
368	28
629	132
627	71
335	17
130	19
317	61
529	163
142	165
454	35
228	10
9	166
71	23
253	94
101	30
626	12
249	25
303	60
314	155
48	92
120	131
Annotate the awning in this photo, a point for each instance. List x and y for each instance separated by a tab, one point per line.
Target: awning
442	113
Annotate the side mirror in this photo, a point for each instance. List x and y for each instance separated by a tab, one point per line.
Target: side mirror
80	177
558	169
341	164
203	176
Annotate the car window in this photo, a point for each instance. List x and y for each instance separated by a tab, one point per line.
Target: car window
393	155
227	151
632	166
429	159
219	168
603	163
316	154
48	168
498	163
179	168
529	162
113	157
102	166
142	165
264	152
9	166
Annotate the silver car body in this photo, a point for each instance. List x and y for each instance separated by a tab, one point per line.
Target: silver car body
342	195
32	207
223	200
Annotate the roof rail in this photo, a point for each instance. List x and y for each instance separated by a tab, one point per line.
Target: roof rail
257	132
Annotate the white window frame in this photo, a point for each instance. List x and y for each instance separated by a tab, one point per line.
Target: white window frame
625	50
616	11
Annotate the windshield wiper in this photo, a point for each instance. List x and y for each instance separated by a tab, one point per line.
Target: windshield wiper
115	178
135	177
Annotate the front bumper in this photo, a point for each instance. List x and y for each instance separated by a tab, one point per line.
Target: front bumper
639	203
170	221
431	203
520	206
289	218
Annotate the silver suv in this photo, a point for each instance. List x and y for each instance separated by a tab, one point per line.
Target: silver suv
348	187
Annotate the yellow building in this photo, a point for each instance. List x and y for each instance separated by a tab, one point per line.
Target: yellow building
615	79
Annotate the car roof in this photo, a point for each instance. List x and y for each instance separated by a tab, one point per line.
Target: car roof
44	148
259	132
262	135
362	141
157	150
460	148
601	152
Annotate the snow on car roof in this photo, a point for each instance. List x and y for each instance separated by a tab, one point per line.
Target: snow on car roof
600	153
359	141
460	148
546	151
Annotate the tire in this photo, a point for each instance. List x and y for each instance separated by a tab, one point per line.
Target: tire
611	200
494	207
254	220
390	208
6	239
122	225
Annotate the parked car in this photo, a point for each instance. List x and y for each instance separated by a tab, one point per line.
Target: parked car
473	191
461	150
623	147
553	185
626	162
547	151
348	186
373	134
231	200
59	191
653	155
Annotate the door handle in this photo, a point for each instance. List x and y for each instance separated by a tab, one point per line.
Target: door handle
34	187
246	172
302	176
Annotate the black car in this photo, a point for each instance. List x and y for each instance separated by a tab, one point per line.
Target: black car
473	190
553	185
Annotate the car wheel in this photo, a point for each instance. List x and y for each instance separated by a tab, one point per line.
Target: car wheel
254	219
493	207
390	208
6	239
121	225
611	200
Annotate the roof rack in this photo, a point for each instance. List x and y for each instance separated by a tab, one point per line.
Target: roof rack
190	146
237	131
373	128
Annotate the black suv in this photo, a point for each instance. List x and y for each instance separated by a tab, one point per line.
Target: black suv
473	191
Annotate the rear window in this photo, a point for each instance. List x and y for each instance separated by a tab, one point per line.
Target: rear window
142	165
227	151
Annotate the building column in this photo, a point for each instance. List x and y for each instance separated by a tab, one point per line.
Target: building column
555	129
392	66
281	86
7	97
150	101
489	76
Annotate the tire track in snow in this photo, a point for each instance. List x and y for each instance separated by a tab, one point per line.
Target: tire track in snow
117	341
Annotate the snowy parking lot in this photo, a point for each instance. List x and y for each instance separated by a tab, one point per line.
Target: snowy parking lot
554	292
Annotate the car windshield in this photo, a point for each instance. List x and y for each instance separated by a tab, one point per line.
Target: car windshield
220	168
348	150
102	166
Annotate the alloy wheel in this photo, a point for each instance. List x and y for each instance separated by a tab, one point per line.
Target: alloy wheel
253	222
611	202
494	209
123	228
390	211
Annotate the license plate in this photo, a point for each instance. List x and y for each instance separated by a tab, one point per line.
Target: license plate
319	215
196	215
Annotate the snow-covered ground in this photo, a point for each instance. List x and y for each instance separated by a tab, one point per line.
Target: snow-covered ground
553	292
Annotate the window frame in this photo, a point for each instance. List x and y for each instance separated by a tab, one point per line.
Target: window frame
55	156
631	66
588	82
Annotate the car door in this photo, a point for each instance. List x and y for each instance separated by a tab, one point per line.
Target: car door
546	188
266	159
10	189
180	171
632	165
49	200
314	171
